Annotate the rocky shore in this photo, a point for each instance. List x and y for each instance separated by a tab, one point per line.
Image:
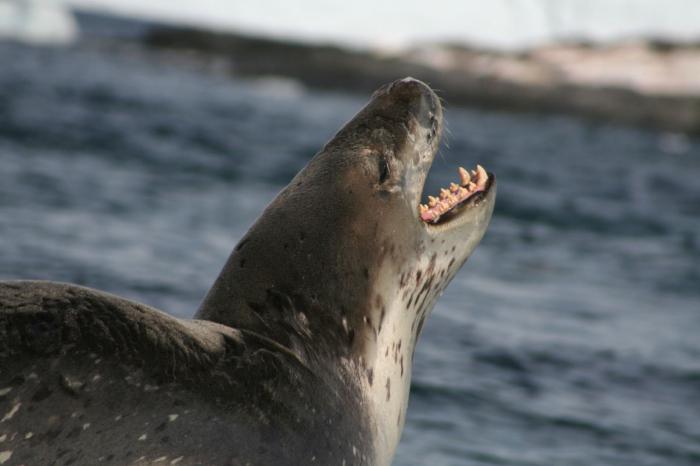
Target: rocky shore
643	83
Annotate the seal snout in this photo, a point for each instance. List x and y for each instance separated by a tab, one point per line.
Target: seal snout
422	100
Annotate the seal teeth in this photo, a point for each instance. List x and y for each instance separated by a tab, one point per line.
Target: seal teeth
470	182
481	175
464	177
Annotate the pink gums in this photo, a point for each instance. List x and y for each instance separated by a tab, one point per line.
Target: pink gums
448	203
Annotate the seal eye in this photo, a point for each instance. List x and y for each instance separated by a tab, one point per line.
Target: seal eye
383	169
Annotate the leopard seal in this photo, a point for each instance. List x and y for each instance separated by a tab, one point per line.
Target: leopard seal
301	351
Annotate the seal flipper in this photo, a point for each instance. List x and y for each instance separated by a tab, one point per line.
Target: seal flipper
89	377
45	318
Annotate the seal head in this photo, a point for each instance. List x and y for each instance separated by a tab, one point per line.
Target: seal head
345	264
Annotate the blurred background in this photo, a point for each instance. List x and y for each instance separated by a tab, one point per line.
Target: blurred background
139	140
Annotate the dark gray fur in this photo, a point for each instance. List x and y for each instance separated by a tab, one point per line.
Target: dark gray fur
273	369
72	356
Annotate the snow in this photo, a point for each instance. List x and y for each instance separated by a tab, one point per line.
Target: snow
389	25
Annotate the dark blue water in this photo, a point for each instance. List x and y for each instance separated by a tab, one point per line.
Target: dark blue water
572	337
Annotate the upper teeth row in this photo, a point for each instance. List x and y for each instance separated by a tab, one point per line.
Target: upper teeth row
470	182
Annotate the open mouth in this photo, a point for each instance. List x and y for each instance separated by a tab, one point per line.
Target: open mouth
473	186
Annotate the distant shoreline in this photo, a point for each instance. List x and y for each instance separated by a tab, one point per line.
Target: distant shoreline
646	83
